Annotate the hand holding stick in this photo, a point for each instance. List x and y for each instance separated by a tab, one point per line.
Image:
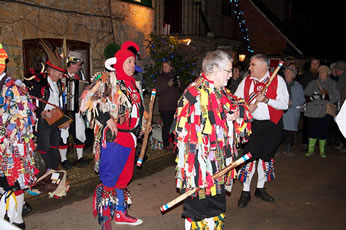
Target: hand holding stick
215	176
148	128
271	79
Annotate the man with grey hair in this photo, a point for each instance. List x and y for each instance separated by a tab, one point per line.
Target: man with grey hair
267	108
206	141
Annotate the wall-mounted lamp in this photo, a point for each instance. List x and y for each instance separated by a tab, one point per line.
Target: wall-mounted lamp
188	42
241	57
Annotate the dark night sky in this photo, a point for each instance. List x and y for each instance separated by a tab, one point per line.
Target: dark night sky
320	28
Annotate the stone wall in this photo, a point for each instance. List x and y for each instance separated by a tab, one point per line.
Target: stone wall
82	20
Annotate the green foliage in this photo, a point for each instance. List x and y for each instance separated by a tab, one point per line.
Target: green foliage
164	48
110	50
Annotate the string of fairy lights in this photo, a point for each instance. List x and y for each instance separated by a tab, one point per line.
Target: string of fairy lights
242	24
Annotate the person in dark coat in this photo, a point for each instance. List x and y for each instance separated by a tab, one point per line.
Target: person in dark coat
169	89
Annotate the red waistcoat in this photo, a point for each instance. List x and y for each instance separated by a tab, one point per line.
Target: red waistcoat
275	115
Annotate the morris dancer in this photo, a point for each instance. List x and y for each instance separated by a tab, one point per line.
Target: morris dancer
266	127
206	138
118	111
17	121
49	88
77	127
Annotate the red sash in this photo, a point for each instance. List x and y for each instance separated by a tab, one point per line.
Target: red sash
275	115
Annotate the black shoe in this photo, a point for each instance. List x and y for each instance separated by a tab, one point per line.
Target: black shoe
262	194
66	165
26	209
245	197
82	162
21	226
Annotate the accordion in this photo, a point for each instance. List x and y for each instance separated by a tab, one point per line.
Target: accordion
74	89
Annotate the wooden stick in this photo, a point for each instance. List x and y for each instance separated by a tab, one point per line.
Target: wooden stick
147	130
271	79
215	176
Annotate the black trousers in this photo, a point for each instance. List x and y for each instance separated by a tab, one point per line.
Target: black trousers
48	138
167	119
210	206
319	127
265	139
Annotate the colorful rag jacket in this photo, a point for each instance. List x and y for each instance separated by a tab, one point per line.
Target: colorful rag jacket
17	120
207	142
108	97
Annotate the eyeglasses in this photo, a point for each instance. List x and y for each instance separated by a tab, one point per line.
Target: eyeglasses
228	71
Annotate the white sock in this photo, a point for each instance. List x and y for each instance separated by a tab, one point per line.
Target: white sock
261	175
247	184
210	222
187	224
20	203
79	153
63	153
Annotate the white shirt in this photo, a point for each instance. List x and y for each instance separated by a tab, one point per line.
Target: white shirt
53	94
262	111
2	75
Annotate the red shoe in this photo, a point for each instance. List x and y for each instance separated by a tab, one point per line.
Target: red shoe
122	218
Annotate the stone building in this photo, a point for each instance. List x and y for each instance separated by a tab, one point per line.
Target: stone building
88	25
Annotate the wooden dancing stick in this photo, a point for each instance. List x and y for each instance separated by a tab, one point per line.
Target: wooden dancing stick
147	130
215	176
271	78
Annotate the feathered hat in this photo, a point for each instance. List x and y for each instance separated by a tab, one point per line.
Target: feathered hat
55	60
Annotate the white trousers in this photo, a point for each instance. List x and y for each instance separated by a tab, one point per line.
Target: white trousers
261	176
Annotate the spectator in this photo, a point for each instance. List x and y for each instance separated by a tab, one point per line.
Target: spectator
169	88
292	115
320	92
308	76
235	79
312	73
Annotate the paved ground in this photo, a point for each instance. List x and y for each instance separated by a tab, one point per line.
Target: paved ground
310	194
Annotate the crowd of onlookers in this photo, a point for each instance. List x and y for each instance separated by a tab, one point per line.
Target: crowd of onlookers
317	91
